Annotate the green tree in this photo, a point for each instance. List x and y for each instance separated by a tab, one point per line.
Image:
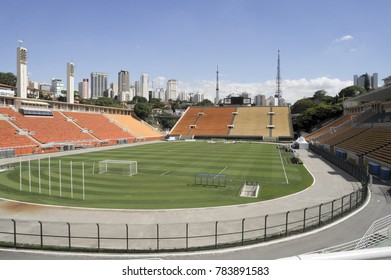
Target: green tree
301	105
8	79
142	110
139	99
351	91
156	103
319	95
205	102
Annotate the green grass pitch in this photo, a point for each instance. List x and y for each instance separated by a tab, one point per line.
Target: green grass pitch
166	177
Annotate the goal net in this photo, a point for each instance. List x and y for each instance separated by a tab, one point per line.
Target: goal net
118	167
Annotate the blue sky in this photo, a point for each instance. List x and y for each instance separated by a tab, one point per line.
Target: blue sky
323	43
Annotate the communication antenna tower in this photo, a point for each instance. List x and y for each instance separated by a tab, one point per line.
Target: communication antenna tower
217	86
278	79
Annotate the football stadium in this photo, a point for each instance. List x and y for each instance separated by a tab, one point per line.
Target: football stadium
86	178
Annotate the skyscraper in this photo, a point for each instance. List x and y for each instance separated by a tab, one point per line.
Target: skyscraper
123	85
84	89
366	81
22	79
144	85
70	83
98	84
57	86
172	90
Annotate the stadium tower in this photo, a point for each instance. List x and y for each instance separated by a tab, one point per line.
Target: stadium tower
22	79
217	86
70	83
278	95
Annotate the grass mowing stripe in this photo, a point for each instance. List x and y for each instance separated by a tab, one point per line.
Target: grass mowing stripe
165	180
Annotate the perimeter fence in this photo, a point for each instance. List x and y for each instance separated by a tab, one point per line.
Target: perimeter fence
133	238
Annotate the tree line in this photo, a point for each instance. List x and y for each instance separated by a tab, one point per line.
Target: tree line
310	112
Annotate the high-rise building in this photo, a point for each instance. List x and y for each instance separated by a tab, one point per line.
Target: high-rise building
198	97
260	100
57	86
183	96
123	85
365	78
98	84
70	83
84	89
137	88
22	79
172	90
144	85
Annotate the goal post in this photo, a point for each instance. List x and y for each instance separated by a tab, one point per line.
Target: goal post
118	167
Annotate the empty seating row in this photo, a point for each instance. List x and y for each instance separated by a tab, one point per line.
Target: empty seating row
10	138
182	127
282	122
335	139
368	141
251	121
214	122
329	127
134	126
99	126
382	154
241	122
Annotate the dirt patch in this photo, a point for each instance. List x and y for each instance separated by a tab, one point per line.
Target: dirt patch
18	207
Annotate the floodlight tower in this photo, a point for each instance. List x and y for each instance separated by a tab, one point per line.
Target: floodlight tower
217	86
70	82
21	66
278	95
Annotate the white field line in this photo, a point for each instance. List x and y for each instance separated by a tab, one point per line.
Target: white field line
223	170
283	167
164	173
220	172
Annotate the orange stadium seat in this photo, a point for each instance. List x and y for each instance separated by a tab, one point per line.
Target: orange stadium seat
99	126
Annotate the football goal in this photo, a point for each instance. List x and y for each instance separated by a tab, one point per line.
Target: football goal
118	167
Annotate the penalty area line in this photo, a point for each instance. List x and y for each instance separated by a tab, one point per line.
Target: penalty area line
165	173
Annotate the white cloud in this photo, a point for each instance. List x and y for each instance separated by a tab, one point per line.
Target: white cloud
159	82
344	38
292	90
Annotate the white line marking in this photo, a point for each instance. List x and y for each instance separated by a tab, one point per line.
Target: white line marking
223	170
283	167
164	173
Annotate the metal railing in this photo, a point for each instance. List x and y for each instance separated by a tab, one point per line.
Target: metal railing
173	237
377	232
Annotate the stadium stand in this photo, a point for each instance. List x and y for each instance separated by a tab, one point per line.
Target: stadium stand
9	138
382	155
250	121
363	135
214	122
190	117
369	140
99	126
235	123
282	121
134	126
337	138
329	127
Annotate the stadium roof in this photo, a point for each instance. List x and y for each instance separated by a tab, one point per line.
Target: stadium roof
379	94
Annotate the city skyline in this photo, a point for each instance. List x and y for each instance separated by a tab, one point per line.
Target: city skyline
322	44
